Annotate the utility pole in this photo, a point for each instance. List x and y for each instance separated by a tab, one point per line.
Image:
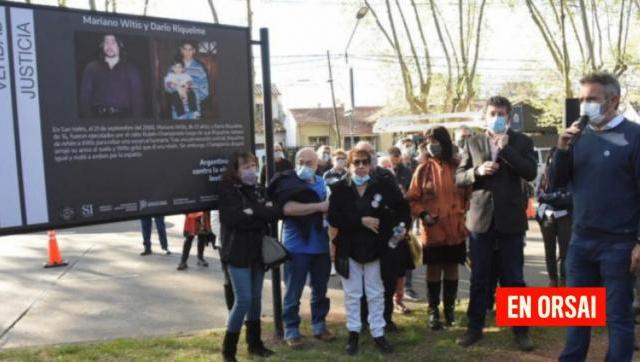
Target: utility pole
333	100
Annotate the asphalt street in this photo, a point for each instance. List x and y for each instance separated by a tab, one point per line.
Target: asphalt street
109	291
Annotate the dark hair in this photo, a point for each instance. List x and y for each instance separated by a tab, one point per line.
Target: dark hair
394	151
607	80
441	135
184	42
231	173
121	47
177	60
359	154
499	101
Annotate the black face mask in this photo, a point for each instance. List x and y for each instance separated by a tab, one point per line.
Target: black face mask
435	150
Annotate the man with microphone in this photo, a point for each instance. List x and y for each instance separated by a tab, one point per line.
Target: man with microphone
494	163
599	157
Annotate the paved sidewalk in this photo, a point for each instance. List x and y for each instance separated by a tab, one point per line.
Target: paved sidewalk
109	291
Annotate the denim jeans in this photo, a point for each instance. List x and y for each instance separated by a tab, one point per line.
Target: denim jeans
593	263
247	289
146	231
511	263
318	267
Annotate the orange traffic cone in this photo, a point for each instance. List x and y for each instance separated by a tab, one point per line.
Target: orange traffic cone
55	259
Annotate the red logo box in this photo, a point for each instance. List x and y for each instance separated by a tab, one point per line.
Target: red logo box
551	306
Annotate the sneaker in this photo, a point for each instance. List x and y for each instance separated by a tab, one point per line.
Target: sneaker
182	266
524	342
470	337
411	295
383	345
333	270
325	336
146	252
166	251
295	343
402	309
203	263
553	283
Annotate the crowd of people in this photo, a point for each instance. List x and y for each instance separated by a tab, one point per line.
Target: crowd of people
461	201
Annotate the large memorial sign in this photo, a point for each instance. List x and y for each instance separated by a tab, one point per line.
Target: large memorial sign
108	117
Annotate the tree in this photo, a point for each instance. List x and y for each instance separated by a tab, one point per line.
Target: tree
587	34
461	54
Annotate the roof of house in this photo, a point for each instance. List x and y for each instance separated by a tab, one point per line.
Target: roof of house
362	124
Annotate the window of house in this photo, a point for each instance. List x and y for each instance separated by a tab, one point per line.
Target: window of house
318	141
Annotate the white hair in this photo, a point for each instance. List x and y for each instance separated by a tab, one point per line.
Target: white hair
304	150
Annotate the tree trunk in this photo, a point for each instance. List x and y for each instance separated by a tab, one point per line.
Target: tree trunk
591	63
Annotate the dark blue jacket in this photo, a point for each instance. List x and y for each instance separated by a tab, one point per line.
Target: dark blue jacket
603	169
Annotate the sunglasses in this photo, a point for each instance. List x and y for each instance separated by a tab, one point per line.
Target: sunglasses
363	162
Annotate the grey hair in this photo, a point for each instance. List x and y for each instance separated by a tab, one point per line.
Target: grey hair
361	145
607	80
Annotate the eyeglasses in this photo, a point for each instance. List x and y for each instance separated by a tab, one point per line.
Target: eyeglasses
363	162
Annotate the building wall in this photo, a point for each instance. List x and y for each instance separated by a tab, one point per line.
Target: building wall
305	131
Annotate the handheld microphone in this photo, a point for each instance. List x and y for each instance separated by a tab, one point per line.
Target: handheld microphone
582	124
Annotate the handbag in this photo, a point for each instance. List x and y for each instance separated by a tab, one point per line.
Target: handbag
273	253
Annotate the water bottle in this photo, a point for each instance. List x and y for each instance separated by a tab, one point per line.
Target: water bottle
398	234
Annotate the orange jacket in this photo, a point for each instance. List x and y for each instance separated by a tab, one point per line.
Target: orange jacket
197	223
433	190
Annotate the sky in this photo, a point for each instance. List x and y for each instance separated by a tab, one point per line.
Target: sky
302	31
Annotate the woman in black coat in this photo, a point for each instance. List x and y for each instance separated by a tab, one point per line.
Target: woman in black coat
359	210
245	217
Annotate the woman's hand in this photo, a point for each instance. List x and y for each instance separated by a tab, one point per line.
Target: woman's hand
371	223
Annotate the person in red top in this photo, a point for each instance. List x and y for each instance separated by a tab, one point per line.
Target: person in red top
196	224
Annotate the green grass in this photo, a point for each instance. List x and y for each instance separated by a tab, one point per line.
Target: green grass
414	342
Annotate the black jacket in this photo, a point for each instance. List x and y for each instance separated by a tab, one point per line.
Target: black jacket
281	165
347	208
393	209
287	186
499	198
241	234
403	176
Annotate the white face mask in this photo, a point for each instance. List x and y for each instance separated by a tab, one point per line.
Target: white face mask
593	110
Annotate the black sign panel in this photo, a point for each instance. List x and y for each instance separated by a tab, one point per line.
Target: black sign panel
107	117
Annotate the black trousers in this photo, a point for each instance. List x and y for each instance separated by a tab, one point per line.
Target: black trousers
556	231
186	248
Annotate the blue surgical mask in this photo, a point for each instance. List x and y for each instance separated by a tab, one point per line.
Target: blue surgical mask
305	173
497	124
360	180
